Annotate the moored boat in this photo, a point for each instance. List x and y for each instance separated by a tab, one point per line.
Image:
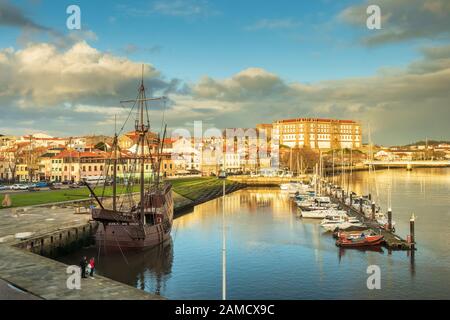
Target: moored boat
361	241
136	221
322	214
333	223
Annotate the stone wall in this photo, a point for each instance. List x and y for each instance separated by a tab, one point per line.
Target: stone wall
61	242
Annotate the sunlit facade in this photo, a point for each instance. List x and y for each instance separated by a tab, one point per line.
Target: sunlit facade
318	133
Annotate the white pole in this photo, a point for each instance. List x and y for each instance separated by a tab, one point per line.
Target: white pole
224	256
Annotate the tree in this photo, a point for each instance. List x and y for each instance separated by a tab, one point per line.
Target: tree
297	158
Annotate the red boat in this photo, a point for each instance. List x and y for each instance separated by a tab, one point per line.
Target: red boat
362	241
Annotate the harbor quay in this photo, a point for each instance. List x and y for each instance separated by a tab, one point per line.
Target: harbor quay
31	236
28	235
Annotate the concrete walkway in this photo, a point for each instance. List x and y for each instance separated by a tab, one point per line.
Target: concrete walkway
43	277
9	292
47	279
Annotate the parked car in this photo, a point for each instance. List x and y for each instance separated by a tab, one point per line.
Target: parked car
41	184
19	187
4	188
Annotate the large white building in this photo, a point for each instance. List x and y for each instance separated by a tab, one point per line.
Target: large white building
318	133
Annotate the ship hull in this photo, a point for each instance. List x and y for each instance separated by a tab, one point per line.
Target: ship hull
119	232
121	237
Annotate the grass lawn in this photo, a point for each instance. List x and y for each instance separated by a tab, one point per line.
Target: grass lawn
191	188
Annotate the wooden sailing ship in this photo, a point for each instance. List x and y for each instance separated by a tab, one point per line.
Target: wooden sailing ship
136	220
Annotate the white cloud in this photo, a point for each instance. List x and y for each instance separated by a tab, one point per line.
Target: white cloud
77	91
404	104
40	75
402	20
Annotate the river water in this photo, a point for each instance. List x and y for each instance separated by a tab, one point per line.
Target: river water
272	254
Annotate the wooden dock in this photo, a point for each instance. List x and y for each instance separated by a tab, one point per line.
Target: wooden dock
391	240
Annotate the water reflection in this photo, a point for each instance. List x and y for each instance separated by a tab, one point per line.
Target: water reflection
272	254
148	270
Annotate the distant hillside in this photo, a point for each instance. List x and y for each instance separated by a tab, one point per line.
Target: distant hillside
430	143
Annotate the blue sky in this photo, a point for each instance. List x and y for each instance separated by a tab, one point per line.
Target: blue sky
228	63
312	45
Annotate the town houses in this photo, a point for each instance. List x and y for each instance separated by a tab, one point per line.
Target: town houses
40	157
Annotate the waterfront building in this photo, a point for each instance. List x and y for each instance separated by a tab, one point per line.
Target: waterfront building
4	170
317	133
75	166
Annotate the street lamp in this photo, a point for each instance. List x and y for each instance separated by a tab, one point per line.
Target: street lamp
223	177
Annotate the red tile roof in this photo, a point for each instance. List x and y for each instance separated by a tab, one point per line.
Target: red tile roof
315	120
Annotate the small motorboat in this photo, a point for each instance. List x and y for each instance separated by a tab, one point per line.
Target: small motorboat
332	223
351	234
361	241
322	214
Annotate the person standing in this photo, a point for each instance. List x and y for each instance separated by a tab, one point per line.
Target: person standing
83	264
92	267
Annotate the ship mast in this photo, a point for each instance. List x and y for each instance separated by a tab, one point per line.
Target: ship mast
141	130
115	168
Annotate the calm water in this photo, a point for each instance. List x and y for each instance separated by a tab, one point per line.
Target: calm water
274	255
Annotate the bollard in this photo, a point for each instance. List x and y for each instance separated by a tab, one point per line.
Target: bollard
351	199
361	205
389	219
373	211
411	231
343	195
370	196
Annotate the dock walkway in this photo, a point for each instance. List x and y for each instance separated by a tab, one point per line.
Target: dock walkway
392	241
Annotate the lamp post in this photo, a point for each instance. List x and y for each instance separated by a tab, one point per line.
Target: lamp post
223	177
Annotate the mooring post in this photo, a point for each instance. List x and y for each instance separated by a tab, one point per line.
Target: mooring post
373	210
411	231
389	219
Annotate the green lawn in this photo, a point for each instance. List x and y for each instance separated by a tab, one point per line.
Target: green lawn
191	188
42	197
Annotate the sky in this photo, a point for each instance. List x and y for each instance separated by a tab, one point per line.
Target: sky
227	63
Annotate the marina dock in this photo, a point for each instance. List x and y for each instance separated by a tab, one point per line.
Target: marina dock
392	241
